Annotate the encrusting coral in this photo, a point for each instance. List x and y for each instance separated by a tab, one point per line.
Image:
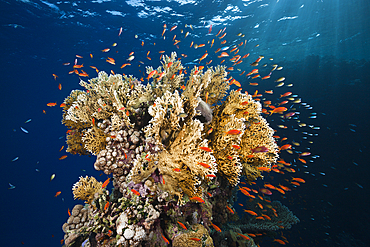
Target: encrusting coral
175	147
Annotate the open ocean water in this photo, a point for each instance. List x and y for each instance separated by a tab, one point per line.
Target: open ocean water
323	47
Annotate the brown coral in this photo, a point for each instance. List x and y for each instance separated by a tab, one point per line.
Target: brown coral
86	188
197	231
241	112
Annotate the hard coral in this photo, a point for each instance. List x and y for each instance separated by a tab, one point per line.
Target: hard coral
175	148
86	188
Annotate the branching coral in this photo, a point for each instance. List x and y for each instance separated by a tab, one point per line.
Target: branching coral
86	188
175	148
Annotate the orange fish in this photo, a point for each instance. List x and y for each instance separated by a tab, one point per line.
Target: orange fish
55	76
106	50
204	165
177	169
60	86
279	110
295	183
233	132
243	236
63	157
270	186
286	94
57	194
299	180
197	198
62	105
265	169
106	182
269	92
61	241
286	146
69	212
266	216
106	206
165	239
223	54
302	160
211	175
216	227
236	146
283	102
203	57
182	225
250	212
284	188
51	104
195	239
230	210
173	28
151	74
206	149
279	241
135	192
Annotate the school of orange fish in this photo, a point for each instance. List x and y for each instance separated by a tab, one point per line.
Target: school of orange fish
244	69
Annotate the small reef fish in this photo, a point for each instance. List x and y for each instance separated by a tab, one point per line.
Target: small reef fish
204	165
24	130
165	239
51	104
182	225
299	180
63	157
16	158
197	198
265	169
281	79
206	149
233	132
11	187
195	239
216	227
236	146
279	241
279	110
52	177
106	206
29	120
243	236
106	182
135	192
57	194
250	212
230	210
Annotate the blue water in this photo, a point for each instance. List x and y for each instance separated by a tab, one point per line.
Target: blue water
322	45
